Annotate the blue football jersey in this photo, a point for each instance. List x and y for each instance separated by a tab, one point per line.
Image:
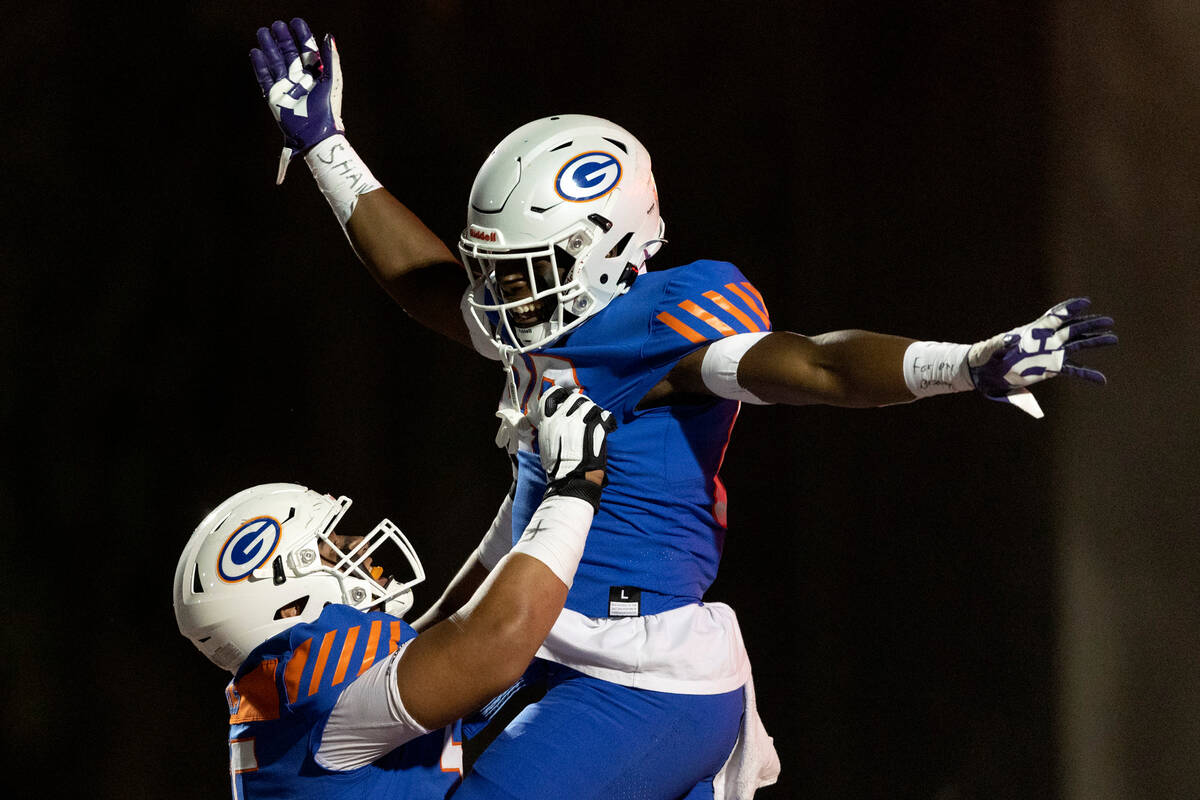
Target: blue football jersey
281	698
656	540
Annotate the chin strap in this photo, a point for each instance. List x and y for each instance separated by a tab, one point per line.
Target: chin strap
513	423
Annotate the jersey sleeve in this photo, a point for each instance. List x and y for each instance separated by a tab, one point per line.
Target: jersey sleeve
367	721
703	302
328	655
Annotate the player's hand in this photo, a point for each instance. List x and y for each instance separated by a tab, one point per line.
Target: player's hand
1002	366
572	437
302	83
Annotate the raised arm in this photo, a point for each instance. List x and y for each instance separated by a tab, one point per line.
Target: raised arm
856	368
480	650
302	82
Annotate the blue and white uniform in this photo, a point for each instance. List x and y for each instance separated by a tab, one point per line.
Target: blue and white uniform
292	730
661	526
636	638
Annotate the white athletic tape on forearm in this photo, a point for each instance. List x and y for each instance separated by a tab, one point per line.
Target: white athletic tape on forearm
498	540
720	365
341	175
937	368
556	535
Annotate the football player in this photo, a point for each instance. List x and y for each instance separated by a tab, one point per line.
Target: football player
332	694
647	683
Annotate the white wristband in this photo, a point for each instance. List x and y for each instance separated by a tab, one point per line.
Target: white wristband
498	540
340	174
937	368
557	534
720	365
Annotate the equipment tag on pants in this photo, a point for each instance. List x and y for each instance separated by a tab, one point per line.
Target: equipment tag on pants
624	601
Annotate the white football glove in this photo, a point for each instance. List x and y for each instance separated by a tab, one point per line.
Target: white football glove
572	439
1002	366
302	82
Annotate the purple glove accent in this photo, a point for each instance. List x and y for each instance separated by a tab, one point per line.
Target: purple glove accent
262	73
1091	331
301	82
283	38
1036	352
268	63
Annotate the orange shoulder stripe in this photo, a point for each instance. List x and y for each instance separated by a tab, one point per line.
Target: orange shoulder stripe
751	303
294	669
680	328
729	308
761	303
708	319
322	658
372	646
347	651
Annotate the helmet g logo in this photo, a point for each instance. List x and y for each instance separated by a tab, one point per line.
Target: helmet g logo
247	549
588	176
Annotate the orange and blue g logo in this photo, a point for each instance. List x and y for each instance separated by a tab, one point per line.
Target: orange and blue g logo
248	548
588	176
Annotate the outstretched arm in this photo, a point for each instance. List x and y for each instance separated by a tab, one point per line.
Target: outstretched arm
845	368
861	369
302	82
480	650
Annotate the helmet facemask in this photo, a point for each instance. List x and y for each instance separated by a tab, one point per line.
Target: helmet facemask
531	295
388	582
364	587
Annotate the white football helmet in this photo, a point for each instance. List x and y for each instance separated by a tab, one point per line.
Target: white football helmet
257	553
570	201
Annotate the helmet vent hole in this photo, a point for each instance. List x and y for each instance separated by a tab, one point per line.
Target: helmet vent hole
624	149
620	246
604	278
561	146
604	223
197	587
292	609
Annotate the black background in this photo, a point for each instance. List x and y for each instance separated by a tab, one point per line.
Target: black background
177	328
